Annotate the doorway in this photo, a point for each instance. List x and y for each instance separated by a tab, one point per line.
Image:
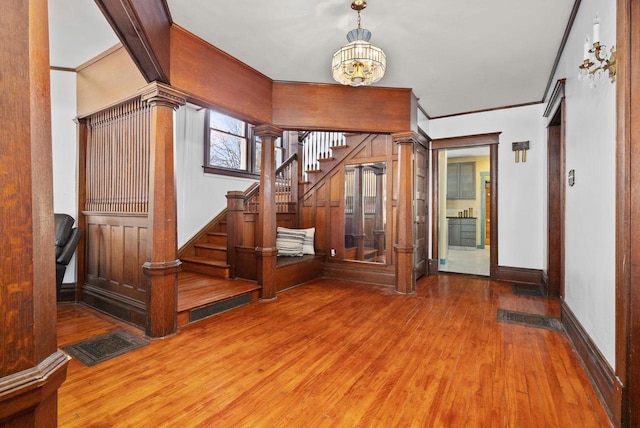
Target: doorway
451	218
463	210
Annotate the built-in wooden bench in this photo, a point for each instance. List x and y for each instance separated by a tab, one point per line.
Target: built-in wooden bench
291	271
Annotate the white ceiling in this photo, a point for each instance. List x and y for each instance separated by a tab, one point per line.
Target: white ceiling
457	56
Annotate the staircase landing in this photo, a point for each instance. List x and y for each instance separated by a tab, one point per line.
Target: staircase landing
200	296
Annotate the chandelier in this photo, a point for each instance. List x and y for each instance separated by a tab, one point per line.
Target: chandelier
358	62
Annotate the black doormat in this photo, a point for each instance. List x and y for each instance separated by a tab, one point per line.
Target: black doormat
529	320
528	290
98	349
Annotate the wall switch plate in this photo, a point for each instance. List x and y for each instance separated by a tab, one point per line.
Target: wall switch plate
333	252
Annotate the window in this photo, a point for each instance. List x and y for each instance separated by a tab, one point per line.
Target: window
231	148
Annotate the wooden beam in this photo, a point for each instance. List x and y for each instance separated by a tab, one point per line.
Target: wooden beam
143	27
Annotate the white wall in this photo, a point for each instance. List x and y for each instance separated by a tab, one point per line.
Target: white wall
63	133
200	197
590	204
521	186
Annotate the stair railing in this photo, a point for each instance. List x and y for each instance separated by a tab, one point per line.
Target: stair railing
286	197
318	145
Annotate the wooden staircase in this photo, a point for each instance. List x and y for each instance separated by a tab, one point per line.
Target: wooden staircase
204	284
204	287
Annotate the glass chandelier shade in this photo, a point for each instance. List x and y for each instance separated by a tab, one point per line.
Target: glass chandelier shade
358	62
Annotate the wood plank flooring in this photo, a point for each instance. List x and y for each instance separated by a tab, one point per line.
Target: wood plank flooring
333	353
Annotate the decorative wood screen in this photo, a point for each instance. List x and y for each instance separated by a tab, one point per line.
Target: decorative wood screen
118	159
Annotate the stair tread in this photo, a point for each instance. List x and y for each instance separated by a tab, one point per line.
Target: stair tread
205	261
211	246
196	290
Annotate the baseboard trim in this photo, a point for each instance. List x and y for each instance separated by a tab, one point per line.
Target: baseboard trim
598	370
519	275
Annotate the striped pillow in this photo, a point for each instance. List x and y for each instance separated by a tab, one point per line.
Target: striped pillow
289	242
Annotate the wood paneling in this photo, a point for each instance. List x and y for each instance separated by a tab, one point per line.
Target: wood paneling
339	353
107	80
330	107
218	80
116	247
323	207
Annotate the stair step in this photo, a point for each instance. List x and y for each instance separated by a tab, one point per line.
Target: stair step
201	296
212	251
206	266
217	238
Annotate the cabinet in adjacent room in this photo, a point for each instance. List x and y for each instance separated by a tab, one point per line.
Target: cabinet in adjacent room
461	180
462	232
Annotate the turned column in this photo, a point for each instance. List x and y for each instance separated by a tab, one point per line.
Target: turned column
358	213
31	366
378	225
405	275
162	265
266	252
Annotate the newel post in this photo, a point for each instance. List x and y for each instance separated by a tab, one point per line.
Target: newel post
162	265
235	227
405	274
266	252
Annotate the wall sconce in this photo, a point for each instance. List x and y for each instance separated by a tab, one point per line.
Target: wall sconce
518	147
597	60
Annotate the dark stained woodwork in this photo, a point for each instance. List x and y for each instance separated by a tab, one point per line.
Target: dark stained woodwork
115	252
421	200
107	80
493	172
625	407
598	369
466	141
161	265
292	271
330	107
31	366
519	275
323	207
215	79
404	245
343	354
266	251
492	140
82	136
235	223
143	27
556	202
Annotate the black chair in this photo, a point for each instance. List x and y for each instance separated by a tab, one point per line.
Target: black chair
67	238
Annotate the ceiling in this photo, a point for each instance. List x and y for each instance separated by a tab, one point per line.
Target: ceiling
457	56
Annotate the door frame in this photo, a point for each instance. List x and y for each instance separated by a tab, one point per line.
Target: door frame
491	140
556	191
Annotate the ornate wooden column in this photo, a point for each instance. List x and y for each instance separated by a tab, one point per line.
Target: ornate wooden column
266	252
405	276
162	265
378	225
358	213
31	368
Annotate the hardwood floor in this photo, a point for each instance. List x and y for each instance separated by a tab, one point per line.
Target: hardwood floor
332	353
